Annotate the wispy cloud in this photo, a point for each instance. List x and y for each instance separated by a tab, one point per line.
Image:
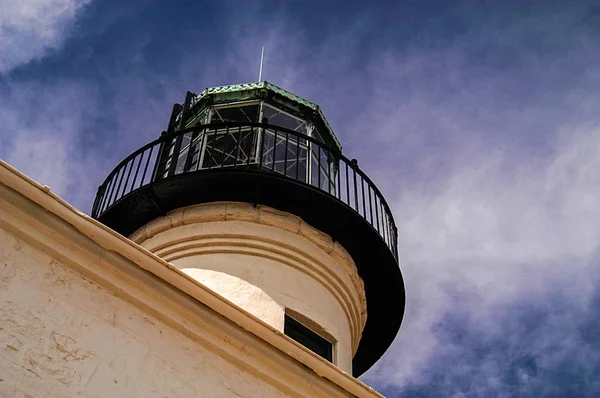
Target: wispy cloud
43	134
491	173
484	141
30	29
499	244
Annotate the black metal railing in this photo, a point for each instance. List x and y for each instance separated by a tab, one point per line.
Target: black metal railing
258	147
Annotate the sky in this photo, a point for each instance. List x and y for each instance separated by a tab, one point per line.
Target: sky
478	120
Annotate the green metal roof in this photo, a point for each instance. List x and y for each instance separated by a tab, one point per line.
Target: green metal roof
253	86
265	85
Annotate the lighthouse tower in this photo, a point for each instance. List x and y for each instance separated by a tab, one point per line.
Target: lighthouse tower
247	192
240	254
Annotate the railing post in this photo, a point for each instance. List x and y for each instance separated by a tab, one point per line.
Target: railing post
188	159
396	243
175	155
287	137
354	166
319	167
297	158
159	158
128	175
179	139
377	212
107	191
259	145
237	149
338	187
347	186
223	153
148	162
274	150
116	197
96	200
137	170
371	193
362	188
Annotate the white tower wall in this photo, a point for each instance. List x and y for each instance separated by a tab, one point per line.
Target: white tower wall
269	263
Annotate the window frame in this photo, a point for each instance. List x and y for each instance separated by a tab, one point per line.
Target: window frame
299	328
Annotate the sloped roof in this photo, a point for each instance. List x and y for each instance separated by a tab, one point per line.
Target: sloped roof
217	93
253	86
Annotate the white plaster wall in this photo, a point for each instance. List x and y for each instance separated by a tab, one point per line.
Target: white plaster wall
288	287
265	267
240	292
64	336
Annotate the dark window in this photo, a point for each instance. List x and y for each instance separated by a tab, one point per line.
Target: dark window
282	119
308	338
229	147
287	156
247	113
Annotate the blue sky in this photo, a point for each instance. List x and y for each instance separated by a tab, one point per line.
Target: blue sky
478	120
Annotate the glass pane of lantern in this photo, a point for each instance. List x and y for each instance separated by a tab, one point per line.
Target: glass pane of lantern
228	147
182	158
196	148
277	117
322	170
241	113
201	118
285	154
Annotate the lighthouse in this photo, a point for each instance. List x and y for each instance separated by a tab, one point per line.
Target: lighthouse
240	253
248	191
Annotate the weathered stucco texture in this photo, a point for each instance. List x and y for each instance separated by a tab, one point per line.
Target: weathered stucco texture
64	336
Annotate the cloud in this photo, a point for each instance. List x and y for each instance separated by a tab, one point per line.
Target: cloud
44	134
484	142
30	29
542	347
498	240
491	174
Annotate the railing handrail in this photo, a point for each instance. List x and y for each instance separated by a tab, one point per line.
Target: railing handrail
132	155
165	137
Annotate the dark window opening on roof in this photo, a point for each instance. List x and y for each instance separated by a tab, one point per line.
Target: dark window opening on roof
308	338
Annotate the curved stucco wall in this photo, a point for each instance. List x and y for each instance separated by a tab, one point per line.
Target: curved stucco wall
266	261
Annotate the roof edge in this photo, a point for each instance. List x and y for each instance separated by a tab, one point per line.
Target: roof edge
112	241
